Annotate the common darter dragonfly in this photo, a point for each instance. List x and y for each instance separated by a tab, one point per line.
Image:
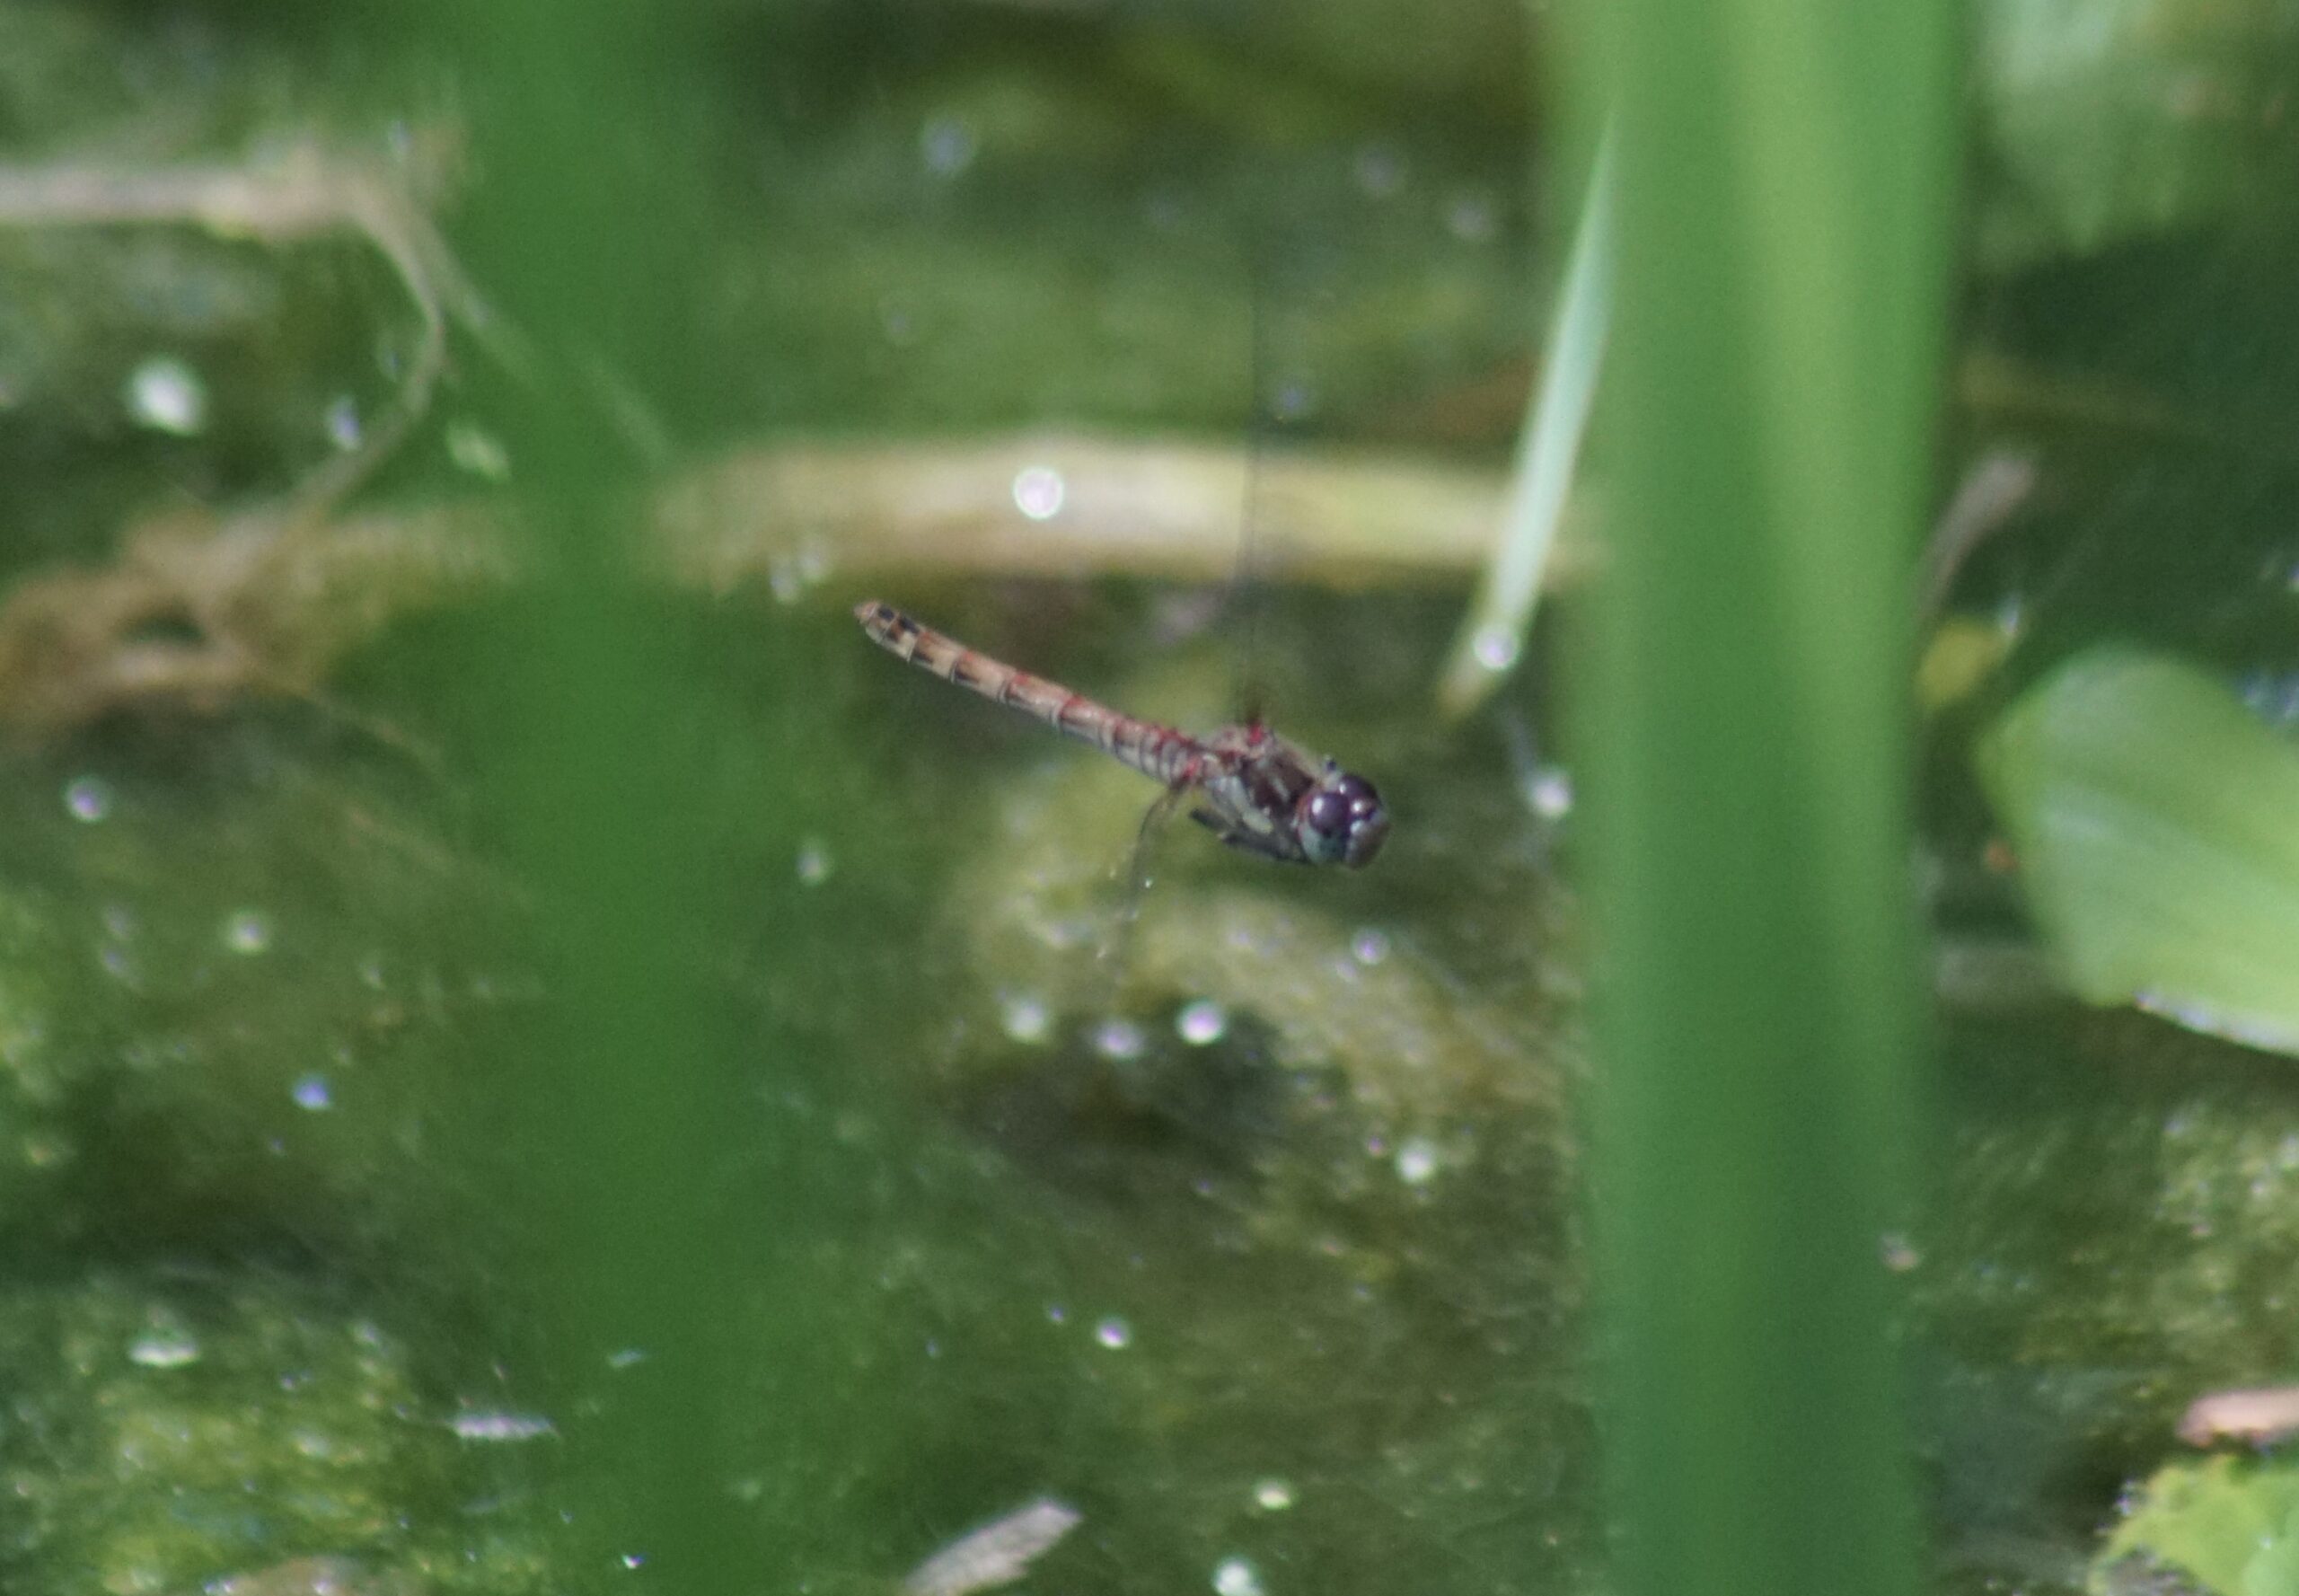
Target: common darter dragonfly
1251	787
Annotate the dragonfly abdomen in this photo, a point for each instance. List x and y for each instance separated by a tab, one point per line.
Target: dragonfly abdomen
1155	751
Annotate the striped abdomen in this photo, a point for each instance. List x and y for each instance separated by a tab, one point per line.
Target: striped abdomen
1155	751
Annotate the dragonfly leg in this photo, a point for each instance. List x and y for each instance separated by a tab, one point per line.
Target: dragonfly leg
1145	842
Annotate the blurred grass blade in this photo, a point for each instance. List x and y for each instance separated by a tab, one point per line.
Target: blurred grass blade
2157	826
1783	218
624	1075
1492	638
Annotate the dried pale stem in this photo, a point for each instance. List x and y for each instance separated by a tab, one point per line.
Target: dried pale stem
202	610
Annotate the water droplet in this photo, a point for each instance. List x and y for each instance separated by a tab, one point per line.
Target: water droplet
311	1092
1024	1019
899	325
634	1560
1496	647
495	1423
165	1347
815	862
1900	1255
1056	1313
1549	793
248	931
1115	1333
1119	1039
87	798
475	449
1201	1022
1038	492
344	429
1470	218
1416	1160
628	1357
784	580
1380	169
1273	1494
1234	1577
948	144
166	395
1369	946
1293	402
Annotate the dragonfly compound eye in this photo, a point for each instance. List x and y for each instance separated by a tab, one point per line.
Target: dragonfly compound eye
1342	821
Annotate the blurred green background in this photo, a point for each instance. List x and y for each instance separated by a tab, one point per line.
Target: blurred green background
533	1059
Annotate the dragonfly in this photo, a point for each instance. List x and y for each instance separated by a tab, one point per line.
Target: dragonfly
1254	789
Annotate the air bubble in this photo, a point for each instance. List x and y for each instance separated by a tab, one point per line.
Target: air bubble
165	1347
1549	793
1380	169
493	1424
1416	1160
1119	1039
1470	218
87	798
475	449
1038	492
248	931
1496	647
1024	1019
948	146
1201	1022
815	863
166	395
344	429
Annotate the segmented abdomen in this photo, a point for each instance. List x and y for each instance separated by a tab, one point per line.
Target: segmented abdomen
1157	752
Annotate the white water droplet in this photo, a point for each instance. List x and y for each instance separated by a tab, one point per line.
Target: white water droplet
1273	1494
1115	1333
1549	793
1201	1022
1038	492
1496	647
1369	946
248	931
1416	1160
311	1092
1119	1039
166	395
1235	1576
948	146
475	449
815	862
165	1347
495	1423
344	428
1024	1018
87	798
1470	218
1380	169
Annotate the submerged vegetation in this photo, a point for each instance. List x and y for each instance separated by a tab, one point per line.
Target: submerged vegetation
1233	1231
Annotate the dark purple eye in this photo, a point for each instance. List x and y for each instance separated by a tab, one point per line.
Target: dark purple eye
1341	821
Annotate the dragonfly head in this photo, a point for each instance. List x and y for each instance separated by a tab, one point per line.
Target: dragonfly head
1340	819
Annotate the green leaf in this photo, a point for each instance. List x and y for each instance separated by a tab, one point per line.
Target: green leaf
2157	826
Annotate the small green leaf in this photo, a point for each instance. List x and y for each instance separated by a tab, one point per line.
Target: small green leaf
2225	1521
2157	826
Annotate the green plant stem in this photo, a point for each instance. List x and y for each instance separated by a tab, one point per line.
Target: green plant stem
1784	178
